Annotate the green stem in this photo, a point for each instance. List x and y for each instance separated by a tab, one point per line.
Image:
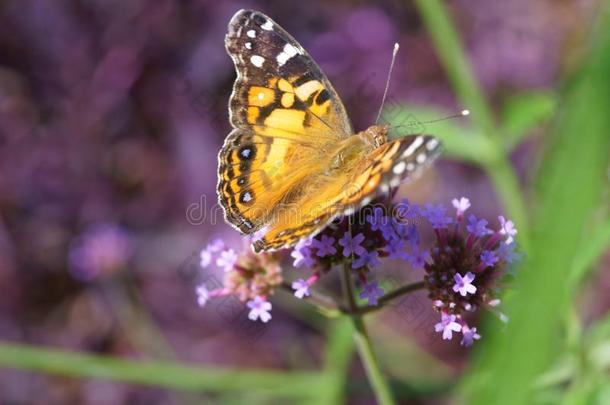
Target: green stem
378	382
591	247
172	375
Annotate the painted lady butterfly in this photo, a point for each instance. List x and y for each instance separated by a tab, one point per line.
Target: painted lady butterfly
292	162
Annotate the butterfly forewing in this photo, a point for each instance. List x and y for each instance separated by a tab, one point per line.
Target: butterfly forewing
279	86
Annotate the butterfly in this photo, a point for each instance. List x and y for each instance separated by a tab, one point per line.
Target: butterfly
292	162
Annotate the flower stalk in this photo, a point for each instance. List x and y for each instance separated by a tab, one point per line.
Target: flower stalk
378	382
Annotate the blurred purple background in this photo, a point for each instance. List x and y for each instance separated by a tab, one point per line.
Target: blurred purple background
111	116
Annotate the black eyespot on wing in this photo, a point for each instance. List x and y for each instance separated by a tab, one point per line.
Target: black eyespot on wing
247	152
246	197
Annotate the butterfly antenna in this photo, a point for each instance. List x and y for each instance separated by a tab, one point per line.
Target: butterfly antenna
461	114
387	83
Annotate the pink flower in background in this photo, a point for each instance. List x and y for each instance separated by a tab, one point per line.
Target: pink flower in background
301	288
259	309
101	250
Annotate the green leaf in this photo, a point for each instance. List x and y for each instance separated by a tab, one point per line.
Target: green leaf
523	112
592	246
161	373
568	190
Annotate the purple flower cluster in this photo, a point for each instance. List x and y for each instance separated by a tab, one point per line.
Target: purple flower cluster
461	268
464	266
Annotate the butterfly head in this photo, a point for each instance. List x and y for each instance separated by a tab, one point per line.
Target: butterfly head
376	135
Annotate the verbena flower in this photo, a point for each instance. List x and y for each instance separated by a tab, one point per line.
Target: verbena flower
227	260
465	266
352	245
209	253
301	286
447	325
203	295
324	246
302	254
508	229
469	335
371	292
477	227
489	258
463	285
460	206
436	215
368	259
259	309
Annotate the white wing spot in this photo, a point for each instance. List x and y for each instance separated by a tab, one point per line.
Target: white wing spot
268	26
410	167
261	95
421	158
251	33
282	58
399	168
366	200
432	144
384	188
248	45
411	149
289	52
257	60
395	182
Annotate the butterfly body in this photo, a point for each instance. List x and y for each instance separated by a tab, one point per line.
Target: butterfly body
293	162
